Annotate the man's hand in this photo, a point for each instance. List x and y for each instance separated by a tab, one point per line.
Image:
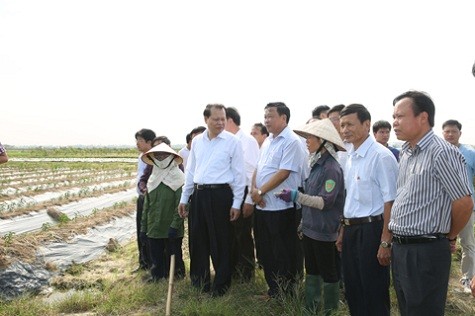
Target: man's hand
300	231
384	256
453	246
256	198
247	210
339	240
234	214
182	210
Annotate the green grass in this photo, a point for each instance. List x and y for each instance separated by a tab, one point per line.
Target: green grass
117	291
73	152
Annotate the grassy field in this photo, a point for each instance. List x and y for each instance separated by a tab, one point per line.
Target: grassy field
73	152
107	286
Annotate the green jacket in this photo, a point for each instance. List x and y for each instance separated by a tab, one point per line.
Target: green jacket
160	212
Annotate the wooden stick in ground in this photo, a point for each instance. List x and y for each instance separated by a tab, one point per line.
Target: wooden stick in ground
170	285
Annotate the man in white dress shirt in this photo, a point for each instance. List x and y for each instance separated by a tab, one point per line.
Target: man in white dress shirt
242	253
215	181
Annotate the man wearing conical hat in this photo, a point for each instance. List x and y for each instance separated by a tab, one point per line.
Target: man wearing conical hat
322	206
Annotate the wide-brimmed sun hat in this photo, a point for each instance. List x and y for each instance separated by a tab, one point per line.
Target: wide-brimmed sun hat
161	148
323	129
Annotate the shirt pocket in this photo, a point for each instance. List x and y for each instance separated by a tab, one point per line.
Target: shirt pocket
363	192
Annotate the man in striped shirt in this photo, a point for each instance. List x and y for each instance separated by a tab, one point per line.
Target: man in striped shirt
432	205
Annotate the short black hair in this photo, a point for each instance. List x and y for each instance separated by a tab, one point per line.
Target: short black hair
197	130
361	112
207	110
162	139
281	109
421	102
452	123
336	108
381	124
147	134
262	128
319	109
232	113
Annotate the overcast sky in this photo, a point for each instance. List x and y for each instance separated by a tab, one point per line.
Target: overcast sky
95	72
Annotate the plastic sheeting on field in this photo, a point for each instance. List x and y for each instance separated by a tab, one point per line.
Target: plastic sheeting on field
84	248
20	278
84	207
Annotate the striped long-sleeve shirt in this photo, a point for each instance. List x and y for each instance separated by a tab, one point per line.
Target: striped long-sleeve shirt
431	176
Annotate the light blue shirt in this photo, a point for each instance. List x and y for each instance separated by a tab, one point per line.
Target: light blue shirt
370	179
284	152
469	155
216	161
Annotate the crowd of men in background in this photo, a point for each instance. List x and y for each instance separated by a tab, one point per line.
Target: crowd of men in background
263	200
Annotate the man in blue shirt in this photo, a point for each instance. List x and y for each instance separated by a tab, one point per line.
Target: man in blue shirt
452	130
282	160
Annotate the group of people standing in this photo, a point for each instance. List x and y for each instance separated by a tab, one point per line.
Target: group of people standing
365	208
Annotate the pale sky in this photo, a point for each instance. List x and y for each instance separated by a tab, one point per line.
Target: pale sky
95	72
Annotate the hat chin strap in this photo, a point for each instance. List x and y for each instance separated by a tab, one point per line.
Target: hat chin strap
160	164
322	145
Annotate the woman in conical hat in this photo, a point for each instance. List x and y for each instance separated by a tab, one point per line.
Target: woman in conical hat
322	206
160	219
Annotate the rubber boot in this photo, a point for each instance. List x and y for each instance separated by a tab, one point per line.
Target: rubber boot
331	297
313	292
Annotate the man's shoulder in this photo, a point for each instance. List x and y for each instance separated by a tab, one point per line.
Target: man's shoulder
467	148
381	150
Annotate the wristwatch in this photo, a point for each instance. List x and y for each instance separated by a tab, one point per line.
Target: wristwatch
259	192
385	244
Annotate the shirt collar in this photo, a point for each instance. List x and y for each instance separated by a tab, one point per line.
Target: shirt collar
422	144
284	134
364	147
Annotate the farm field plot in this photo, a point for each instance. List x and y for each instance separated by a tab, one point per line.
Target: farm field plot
67	247
59	211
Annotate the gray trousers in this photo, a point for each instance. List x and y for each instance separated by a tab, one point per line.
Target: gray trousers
421	277
467	241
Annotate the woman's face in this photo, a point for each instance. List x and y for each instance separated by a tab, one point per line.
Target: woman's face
161	155
313	142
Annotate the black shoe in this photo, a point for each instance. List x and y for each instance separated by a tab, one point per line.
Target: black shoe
153	280
139	269
217	293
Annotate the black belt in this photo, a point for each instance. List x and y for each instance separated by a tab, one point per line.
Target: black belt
404	240
210	186
361	220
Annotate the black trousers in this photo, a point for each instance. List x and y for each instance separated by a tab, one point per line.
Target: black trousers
320	259
243	260
210	235
161	250
421	276
299	248
276	239
366	281
142	245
